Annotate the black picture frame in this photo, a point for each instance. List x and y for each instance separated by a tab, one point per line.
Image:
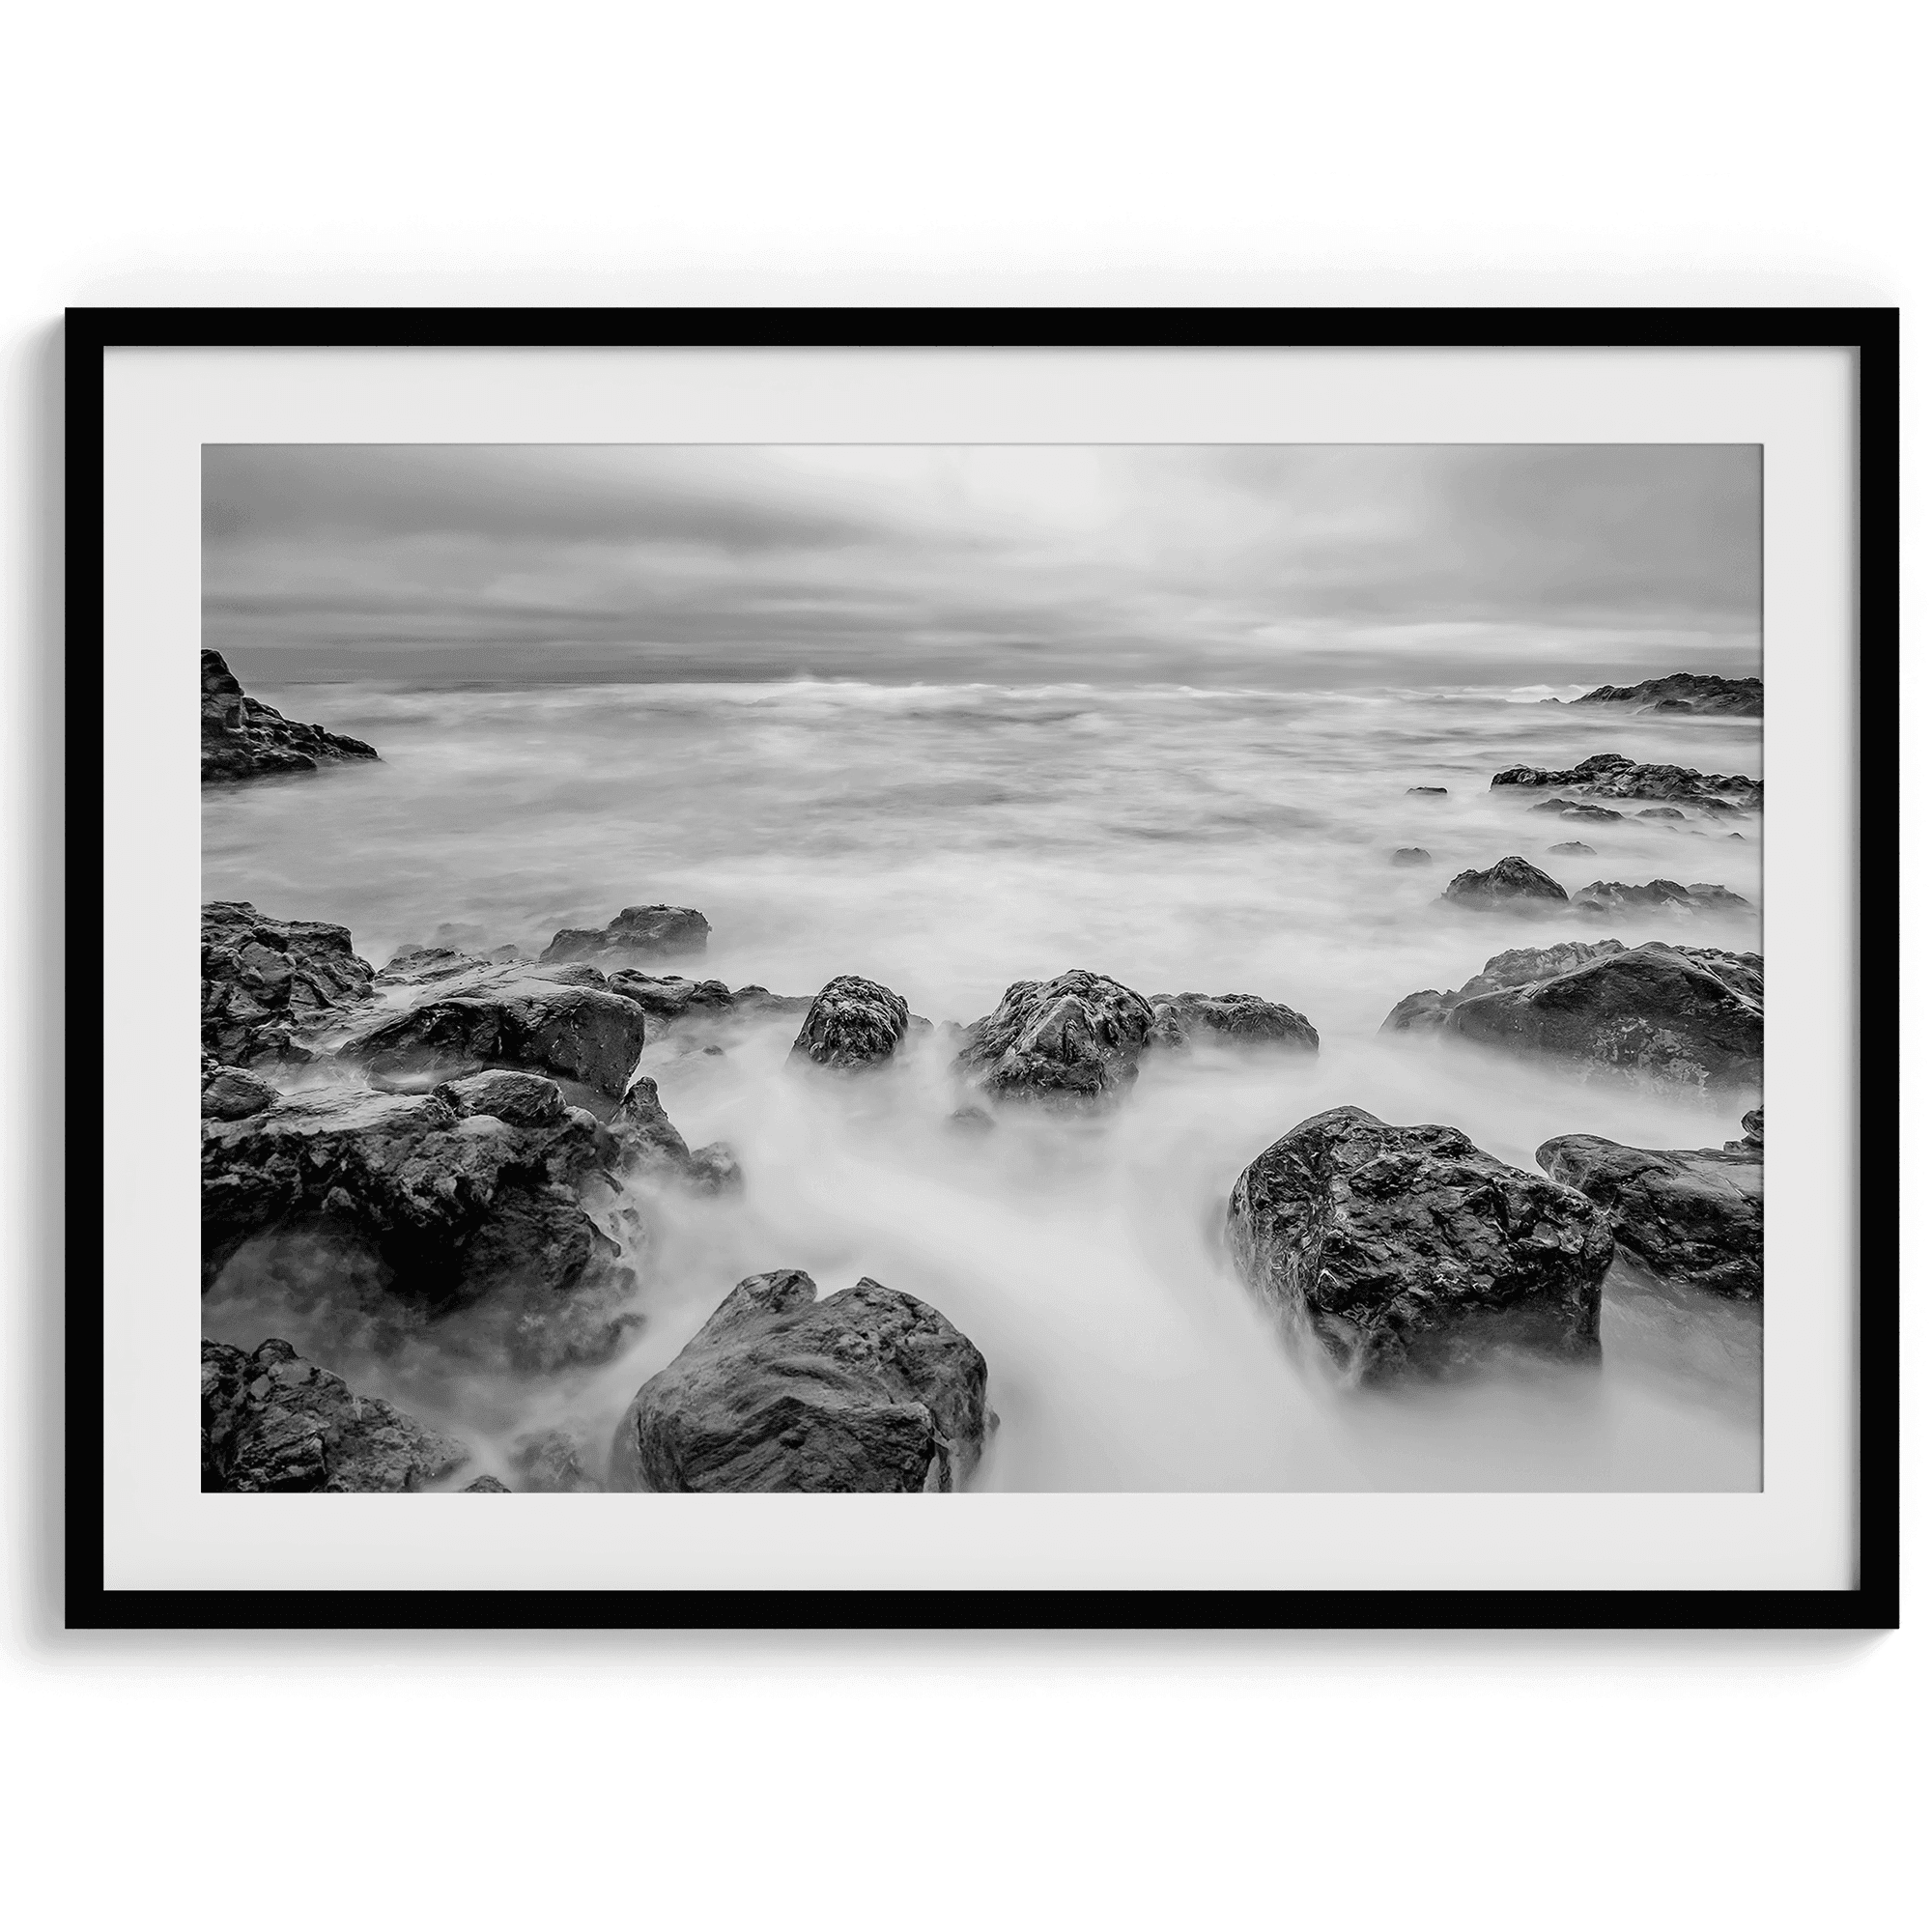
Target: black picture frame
1871	334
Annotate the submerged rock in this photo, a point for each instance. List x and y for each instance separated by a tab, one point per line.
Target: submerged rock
242	738
868	1390
1512	883
1574	848
1429	791
269	986
1410	1252
852	1024
272	1422
1409	855
1577	808
1073	1042
555	1463
638	932
1695	1216
1611	896
1685	691
522	1020
457	1210
1234	1019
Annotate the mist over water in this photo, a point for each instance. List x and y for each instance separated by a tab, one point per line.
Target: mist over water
949	840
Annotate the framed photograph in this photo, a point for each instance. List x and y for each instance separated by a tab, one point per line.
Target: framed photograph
985	967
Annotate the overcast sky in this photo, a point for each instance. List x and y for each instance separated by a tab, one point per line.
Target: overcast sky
1295	564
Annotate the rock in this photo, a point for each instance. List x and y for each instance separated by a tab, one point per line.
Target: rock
638	932
1668	1016
1421	1012
242	738
1408	1251
554	1462
1609	896
672	998
231	1094
759	1003
1512	883
868	1390
523	1020
1074	1041
1611	775
1696	1218
852	1024
1428	1011
1685	692
649	1143
971	1121
1753	1126
269	986
1234	1019
485	1486
271	1422
1574	848
523	1099
459	1214
1429	791
1576	809
1660	812
1409	855
426	965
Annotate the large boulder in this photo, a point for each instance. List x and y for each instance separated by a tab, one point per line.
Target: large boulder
1685	691
852	1024
431	1205
273	1423
1511	884
1611	775
1231	1019
638	932
242	738
1074	1041
1693	1216
1408	1251
1428	1011
268	986
871	1389
1667	1015
582	1034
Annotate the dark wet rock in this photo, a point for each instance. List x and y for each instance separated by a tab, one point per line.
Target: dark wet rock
580	1034
244	738
1072	1041
1753	1137
1611	898
673	997
1512	883
228	1094
1670	1015
1408	1251
761	1003
456	1214
523	1099
1695	1216
868	1390
1429	791
273	1423
1577	808
1409	855
852	1024
555	1463
1611	775
638	932
269	986
1573	849
1231	1019
1428	1011
485	1486
648	1142
1684	690
426	966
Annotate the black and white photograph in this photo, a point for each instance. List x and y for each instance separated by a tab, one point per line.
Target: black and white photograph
981	968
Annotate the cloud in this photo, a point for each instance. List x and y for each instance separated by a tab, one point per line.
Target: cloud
939	562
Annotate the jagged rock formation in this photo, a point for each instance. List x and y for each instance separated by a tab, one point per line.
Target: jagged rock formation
1232	1019
853	1024
1611	775
273	1423
1408	1251
1074	1041
1693	1216
1611	897
1511	884
638	932
868	1390
244	738
1685	691
268	986
649	1143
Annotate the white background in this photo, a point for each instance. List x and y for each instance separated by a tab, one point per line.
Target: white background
1684	151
